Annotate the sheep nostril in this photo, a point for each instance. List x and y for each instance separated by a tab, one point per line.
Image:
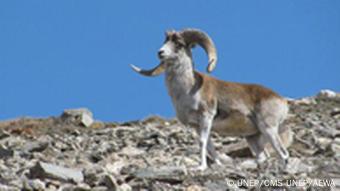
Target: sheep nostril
160	53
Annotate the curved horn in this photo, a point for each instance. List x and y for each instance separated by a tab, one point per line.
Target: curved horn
194	36
153	72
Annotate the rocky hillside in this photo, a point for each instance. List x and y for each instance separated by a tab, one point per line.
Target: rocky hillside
73	152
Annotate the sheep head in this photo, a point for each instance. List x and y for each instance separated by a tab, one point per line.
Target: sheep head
178	43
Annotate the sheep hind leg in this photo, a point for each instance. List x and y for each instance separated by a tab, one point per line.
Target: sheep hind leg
257	147
271	134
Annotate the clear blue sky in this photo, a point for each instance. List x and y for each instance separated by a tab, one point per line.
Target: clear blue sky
68	54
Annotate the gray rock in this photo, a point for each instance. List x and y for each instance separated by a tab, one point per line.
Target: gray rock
131	151
220	185
34	185
327	94
238	149
336	183
324	142
337	141
337	126
295	165
3	134
193	188
108	181
335	147
46	170
92	175
226	159
99	188
304	101
8	188
124	187
166	174
5	153
35	146
335	112
81	116
328	131
51	187
115	167
71	187
249	164
82	187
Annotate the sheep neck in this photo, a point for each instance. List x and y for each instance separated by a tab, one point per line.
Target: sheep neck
180	76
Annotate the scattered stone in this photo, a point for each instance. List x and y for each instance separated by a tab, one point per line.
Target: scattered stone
51	187
71	187
189	161
5	153
108	181
35	146
238	149
335	112
46	170
303	101
336	183
328	131
336	149
337	141
220	185
34	185
99	188
115	167
295	165
165	174
99	124
131	151
3	134
124	187
160	154
324	142
8	188
81	116
249	164
193	188
92	175
75	188
226	159
327	94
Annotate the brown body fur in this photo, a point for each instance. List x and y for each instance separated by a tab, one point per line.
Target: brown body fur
232	122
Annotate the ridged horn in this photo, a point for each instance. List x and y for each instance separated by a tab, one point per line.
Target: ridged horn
194	36
153	72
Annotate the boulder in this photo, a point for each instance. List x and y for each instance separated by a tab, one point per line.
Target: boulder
44	170
81	116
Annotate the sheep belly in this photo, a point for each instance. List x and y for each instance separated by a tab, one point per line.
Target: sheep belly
235	124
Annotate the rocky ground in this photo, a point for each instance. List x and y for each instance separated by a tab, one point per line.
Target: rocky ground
72	152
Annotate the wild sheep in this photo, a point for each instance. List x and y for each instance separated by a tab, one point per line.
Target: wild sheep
205	103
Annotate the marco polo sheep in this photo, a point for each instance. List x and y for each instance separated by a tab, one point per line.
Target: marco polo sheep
206	103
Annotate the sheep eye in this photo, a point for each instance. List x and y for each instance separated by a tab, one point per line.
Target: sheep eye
180	43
